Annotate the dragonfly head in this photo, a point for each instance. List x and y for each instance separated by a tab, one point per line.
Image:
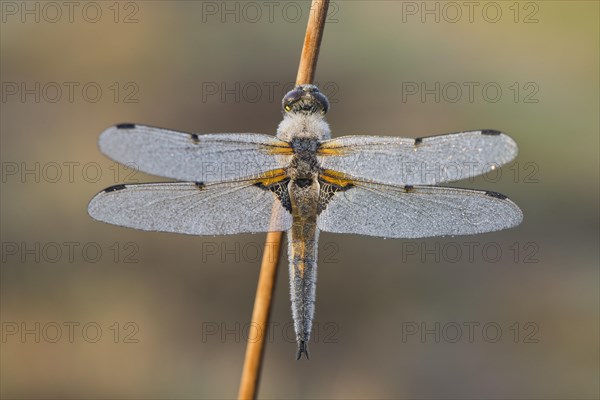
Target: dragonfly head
305	99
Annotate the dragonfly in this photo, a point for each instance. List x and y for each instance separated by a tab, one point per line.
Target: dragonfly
301	181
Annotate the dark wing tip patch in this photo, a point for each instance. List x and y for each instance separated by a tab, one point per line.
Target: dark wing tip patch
490	132
496	195
126	126
409	188
418	141
114	188
200	185
195	138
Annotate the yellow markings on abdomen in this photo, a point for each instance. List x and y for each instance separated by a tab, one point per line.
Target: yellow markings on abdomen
303	247
300	252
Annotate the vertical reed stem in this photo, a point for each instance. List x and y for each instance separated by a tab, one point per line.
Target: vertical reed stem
268	269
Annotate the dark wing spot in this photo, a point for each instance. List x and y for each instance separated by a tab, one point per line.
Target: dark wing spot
200	185
195	138
418	141
409	188
496	195
114	188
126	126
490	132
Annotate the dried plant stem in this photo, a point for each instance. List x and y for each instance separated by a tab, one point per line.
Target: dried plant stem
268	269
312	41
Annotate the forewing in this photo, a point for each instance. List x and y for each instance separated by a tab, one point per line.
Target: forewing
191	157
196	209
422	161
415	212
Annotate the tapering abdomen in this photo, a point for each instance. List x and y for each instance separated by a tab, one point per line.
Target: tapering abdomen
304	193
302	252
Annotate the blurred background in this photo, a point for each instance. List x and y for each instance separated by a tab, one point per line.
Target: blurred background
90	310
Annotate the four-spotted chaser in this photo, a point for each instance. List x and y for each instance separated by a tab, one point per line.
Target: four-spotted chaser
302	181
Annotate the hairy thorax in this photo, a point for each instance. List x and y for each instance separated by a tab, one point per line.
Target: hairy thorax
303	172
303	132
297	125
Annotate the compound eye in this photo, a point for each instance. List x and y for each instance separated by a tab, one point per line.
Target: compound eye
292	96
287	107
325	104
